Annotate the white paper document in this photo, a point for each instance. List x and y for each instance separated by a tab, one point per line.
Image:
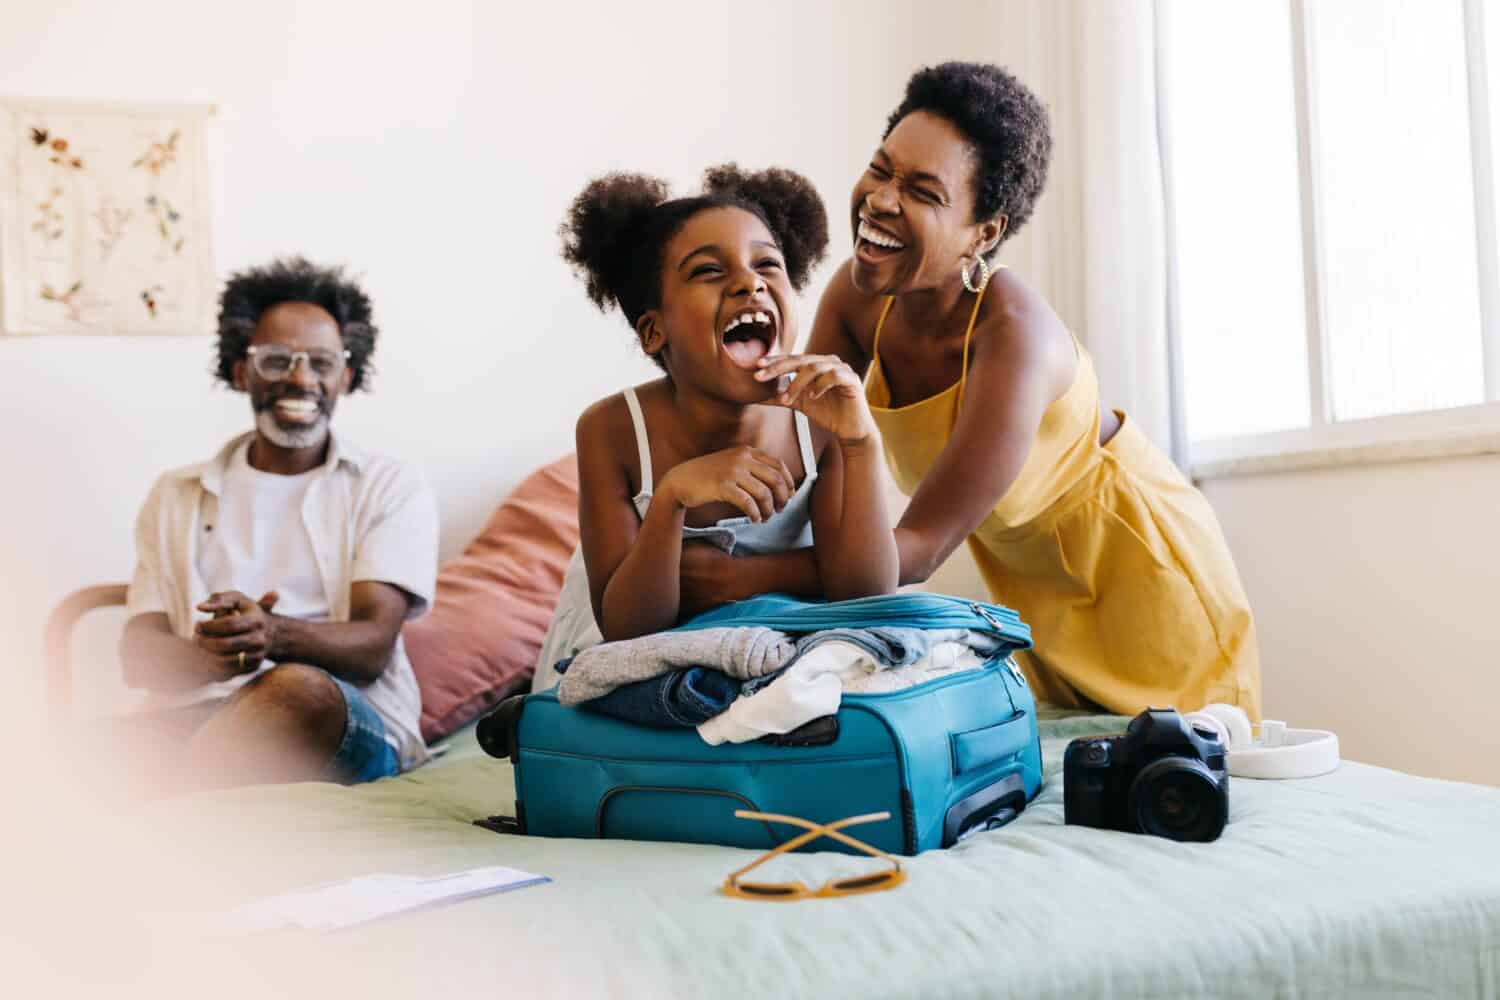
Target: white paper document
370	897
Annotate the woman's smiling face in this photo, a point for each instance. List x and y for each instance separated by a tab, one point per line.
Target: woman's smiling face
912	211
726	302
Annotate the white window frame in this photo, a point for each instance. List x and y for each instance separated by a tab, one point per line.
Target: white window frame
1468	430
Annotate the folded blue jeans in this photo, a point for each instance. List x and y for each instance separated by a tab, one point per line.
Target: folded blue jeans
677	700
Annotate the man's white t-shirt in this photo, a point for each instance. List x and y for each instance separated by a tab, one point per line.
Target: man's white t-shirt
259	545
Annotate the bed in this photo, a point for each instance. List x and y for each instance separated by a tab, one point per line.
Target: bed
1365	882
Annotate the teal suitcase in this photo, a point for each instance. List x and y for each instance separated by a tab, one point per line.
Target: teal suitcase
943	758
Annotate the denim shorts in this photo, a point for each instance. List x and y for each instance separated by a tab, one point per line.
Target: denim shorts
364	754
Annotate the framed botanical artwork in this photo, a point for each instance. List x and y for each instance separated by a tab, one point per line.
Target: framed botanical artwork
105	218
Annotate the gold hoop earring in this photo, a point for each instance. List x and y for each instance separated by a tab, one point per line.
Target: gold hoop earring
982	267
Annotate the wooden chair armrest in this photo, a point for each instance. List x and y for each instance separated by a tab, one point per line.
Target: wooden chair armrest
57	641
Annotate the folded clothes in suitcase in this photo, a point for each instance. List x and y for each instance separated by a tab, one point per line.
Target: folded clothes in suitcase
942	757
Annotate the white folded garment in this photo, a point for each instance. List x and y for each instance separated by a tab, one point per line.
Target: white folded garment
815	684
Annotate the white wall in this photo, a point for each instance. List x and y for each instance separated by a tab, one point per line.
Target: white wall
432	147
1376	590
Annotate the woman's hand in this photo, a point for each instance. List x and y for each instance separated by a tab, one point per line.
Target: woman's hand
742	476
825	388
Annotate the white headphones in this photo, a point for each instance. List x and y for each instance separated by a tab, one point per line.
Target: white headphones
1279	753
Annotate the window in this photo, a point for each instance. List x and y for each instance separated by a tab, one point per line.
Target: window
1331	180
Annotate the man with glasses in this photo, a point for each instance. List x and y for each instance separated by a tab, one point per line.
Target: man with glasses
272	581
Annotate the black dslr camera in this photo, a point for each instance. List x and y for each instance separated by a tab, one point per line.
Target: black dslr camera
1161	776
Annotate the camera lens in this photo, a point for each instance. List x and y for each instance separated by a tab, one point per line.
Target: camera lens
1177	798
1176	811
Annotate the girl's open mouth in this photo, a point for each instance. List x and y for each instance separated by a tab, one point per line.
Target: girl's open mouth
749	336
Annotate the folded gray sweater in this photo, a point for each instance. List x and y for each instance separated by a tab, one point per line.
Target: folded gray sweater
746	652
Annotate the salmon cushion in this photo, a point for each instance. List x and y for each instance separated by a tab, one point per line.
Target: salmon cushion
479	641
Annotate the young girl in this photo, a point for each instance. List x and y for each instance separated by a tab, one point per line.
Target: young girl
715	451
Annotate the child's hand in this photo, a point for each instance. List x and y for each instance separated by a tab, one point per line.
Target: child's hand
742	476
824	388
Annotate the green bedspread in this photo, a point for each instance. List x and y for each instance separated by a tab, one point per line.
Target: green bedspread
1365	882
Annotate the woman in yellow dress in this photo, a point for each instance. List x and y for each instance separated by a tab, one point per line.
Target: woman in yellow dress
990	413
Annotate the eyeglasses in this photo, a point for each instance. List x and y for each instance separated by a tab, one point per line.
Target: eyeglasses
276	363
887	879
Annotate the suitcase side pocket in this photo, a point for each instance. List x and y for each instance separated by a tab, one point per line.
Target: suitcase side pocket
977	748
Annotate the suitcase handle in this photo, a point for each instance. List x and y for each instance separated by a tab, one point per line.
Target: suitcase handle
820	732
1006	796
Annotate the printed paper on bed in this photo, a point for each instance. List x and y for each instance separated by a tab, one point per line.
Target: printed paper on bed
369	897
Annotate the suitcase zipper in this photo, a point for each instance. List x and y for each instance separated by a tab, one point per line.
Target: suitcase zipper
934	610
984	612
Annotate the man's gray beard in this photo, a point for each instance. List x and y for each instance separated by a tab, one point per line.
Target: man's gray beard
265	422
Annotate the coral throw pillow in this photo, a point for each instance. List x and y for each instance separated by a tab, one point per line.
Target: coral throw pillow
479	641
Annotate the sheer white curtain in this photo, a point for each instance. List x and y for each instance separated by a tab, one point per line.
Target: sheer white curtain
1097	244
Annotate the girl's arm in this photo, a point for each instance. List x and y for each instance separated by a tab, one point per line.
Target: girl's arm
631	562
711	577
854	547
634	564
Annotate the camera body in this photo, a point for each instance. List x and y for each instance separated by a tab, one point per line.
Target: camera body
1161	777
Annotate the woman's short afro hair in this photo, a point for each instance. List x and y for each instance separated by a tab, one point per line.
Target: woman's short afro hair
1004	122
249	293
617	229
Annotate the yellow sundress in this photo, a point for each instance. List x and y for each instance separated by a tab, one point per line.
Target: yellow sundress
1112	557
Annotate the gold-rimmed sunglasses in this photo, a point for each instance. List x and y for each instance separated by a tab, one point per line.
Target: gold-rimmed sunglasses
781	891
